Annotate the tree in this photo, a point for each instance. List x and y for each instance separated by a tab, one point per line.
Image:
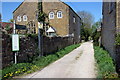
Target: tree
11	20
87	18
92	32
85	32
96	34
42	16
97	24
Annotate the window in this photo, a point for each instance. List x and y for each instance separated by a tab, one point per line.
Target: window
51	15
74	19
24	18
19	18
59	14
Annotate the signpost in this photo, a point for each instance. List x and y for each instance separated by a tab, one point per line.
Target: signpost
40	25
15	42
15	45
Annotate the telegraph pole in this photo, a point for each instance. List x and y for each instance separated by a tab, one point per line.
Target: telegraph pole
40	25
15	42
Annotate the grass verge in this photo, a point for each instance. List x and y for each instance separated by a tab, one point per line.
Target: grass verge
105	64
37	64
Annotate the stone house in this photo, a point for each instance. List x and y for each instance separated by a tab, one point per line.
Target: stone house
110	27
60	16
25	14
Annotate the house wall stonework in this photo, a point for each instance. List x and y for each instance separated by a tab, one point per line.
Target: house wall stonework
29	9
109	28
74	26
65	25
60	24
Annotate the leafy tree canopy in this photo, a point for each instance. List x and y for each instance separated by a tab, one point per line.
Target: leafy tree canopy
87	18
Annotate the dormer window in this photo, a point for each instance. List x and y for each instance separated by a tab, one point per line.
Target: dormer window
59	14
51	15
24	18
19	18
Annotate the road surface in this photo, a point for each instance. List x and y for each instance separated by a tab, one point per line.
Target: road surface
79	63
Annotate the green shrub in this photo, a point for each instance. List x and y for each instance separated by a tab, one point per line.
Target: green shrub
118	39
106	68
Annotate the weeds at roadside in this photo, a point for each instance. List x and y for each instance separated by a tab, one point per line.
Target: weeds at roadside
104	63
37	64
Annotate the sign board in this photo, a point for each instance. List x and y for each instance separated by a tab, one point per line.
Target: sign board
15	42
20	27
40	25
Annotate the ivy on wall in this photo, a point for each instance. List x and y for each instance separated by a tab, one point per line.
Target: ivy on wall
41	15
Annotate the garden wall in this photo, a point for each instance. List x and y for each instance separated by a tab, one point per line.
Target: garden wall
118	59
29	47
50	45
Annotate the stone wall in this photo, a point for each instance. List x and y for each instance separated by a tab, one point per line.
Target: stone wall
28	47
108	28
53	44
7	55
74	26
118	49
118	17
111	25
118	59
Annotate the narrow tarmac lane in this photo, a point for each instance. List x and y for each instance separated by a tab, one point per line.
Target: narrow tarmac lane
79	63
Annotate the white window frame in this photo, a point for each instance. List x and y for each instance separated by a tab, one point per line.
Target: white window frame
59	14
25	18
19	18
51	15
